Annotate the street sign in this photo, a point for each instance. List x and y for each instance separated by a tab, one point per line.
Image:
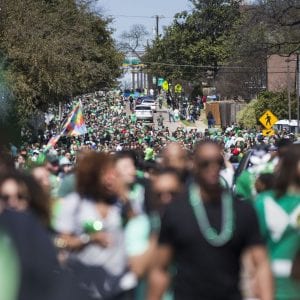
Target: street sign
268	119
131	61
160	81
178	88
268	132
165	85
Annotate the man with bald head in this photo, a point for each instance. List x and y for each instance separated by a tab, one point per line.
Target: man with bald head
205	232
176	157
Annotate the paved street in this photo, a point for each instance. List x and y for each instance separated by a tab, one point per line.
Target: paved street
172	125
199	124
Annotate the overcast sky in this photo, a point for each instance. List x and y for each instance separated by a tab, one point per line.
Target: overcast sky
129	12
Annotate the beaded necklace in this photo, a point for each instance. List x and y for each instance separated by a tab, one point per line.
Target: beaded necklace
209	233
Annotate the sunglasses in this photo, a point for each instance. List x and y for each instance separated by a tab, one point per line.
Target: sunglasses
5	198
205	163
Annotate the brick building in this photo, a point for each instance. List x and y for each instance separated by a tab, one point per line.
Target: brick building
277	72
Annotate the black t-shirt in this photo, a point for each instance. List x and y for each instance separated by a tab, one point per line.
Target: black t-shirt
206	272
41	276
37	256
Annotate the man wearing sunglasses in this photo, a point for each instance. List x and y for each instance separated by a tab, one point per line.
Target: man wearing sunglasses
205	233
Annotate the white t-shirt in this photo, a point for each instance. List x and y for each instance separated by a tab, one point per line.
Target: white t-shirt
73	213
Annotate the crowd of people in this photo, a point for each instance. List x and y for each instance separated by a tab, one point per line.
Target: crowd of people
111	126
137	211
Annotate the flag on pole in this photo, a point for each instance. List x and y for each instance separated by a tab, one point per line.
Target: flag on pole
52	142
75	125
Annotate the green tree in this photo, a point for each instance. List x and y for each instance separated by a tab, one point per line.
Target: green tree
247	117
53	50
198	38
277	103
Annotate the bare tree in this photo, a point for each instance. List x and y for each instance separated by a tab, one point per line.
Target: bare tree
280	20
134	40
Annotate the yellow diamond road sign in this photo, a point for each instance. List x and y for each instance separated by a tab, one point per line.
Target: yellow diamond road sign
268	119
268	132
178	88
165	85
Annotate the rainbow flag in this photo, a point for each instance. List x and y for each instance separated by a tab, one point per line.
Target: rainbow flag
75	125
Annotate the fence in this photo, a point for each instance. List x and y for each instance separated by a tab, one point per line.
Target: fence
224	112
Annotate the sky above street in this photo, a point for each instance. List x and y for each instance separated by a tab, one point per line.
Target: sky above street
129	12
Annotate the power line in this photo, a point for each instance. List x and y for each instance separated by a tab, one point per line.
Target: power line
220	67
194	66
249	71
143	17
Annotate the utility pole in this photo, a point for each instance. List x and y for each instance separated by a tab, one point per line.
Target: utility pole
289	95
289	90
298	92
157	18
157	25
297	88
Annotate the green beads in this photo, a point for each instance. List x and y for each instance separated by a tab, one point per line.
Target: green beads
208	232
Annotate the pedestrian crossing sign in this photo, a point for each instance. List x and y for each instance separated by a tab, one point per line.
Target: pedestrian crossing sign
178	88
268	132
268	119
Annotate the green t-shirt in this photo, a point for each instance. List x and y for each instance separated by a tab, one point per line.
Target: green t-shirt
133	118
137	230
55	183
245	185
9	269
280	225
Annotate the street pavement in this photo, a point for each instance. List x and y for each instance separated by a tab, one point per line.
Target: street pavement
199	124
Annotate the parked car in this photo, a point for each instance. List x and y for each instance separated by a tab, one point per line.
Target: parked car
144	112
247	161
139	100
150	102
243	164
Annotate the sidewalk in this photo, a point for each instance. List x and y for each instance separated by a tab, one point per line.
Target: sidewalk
200	124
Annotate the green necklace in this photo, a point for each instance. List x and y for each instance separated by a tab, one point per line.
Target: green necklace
209	233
